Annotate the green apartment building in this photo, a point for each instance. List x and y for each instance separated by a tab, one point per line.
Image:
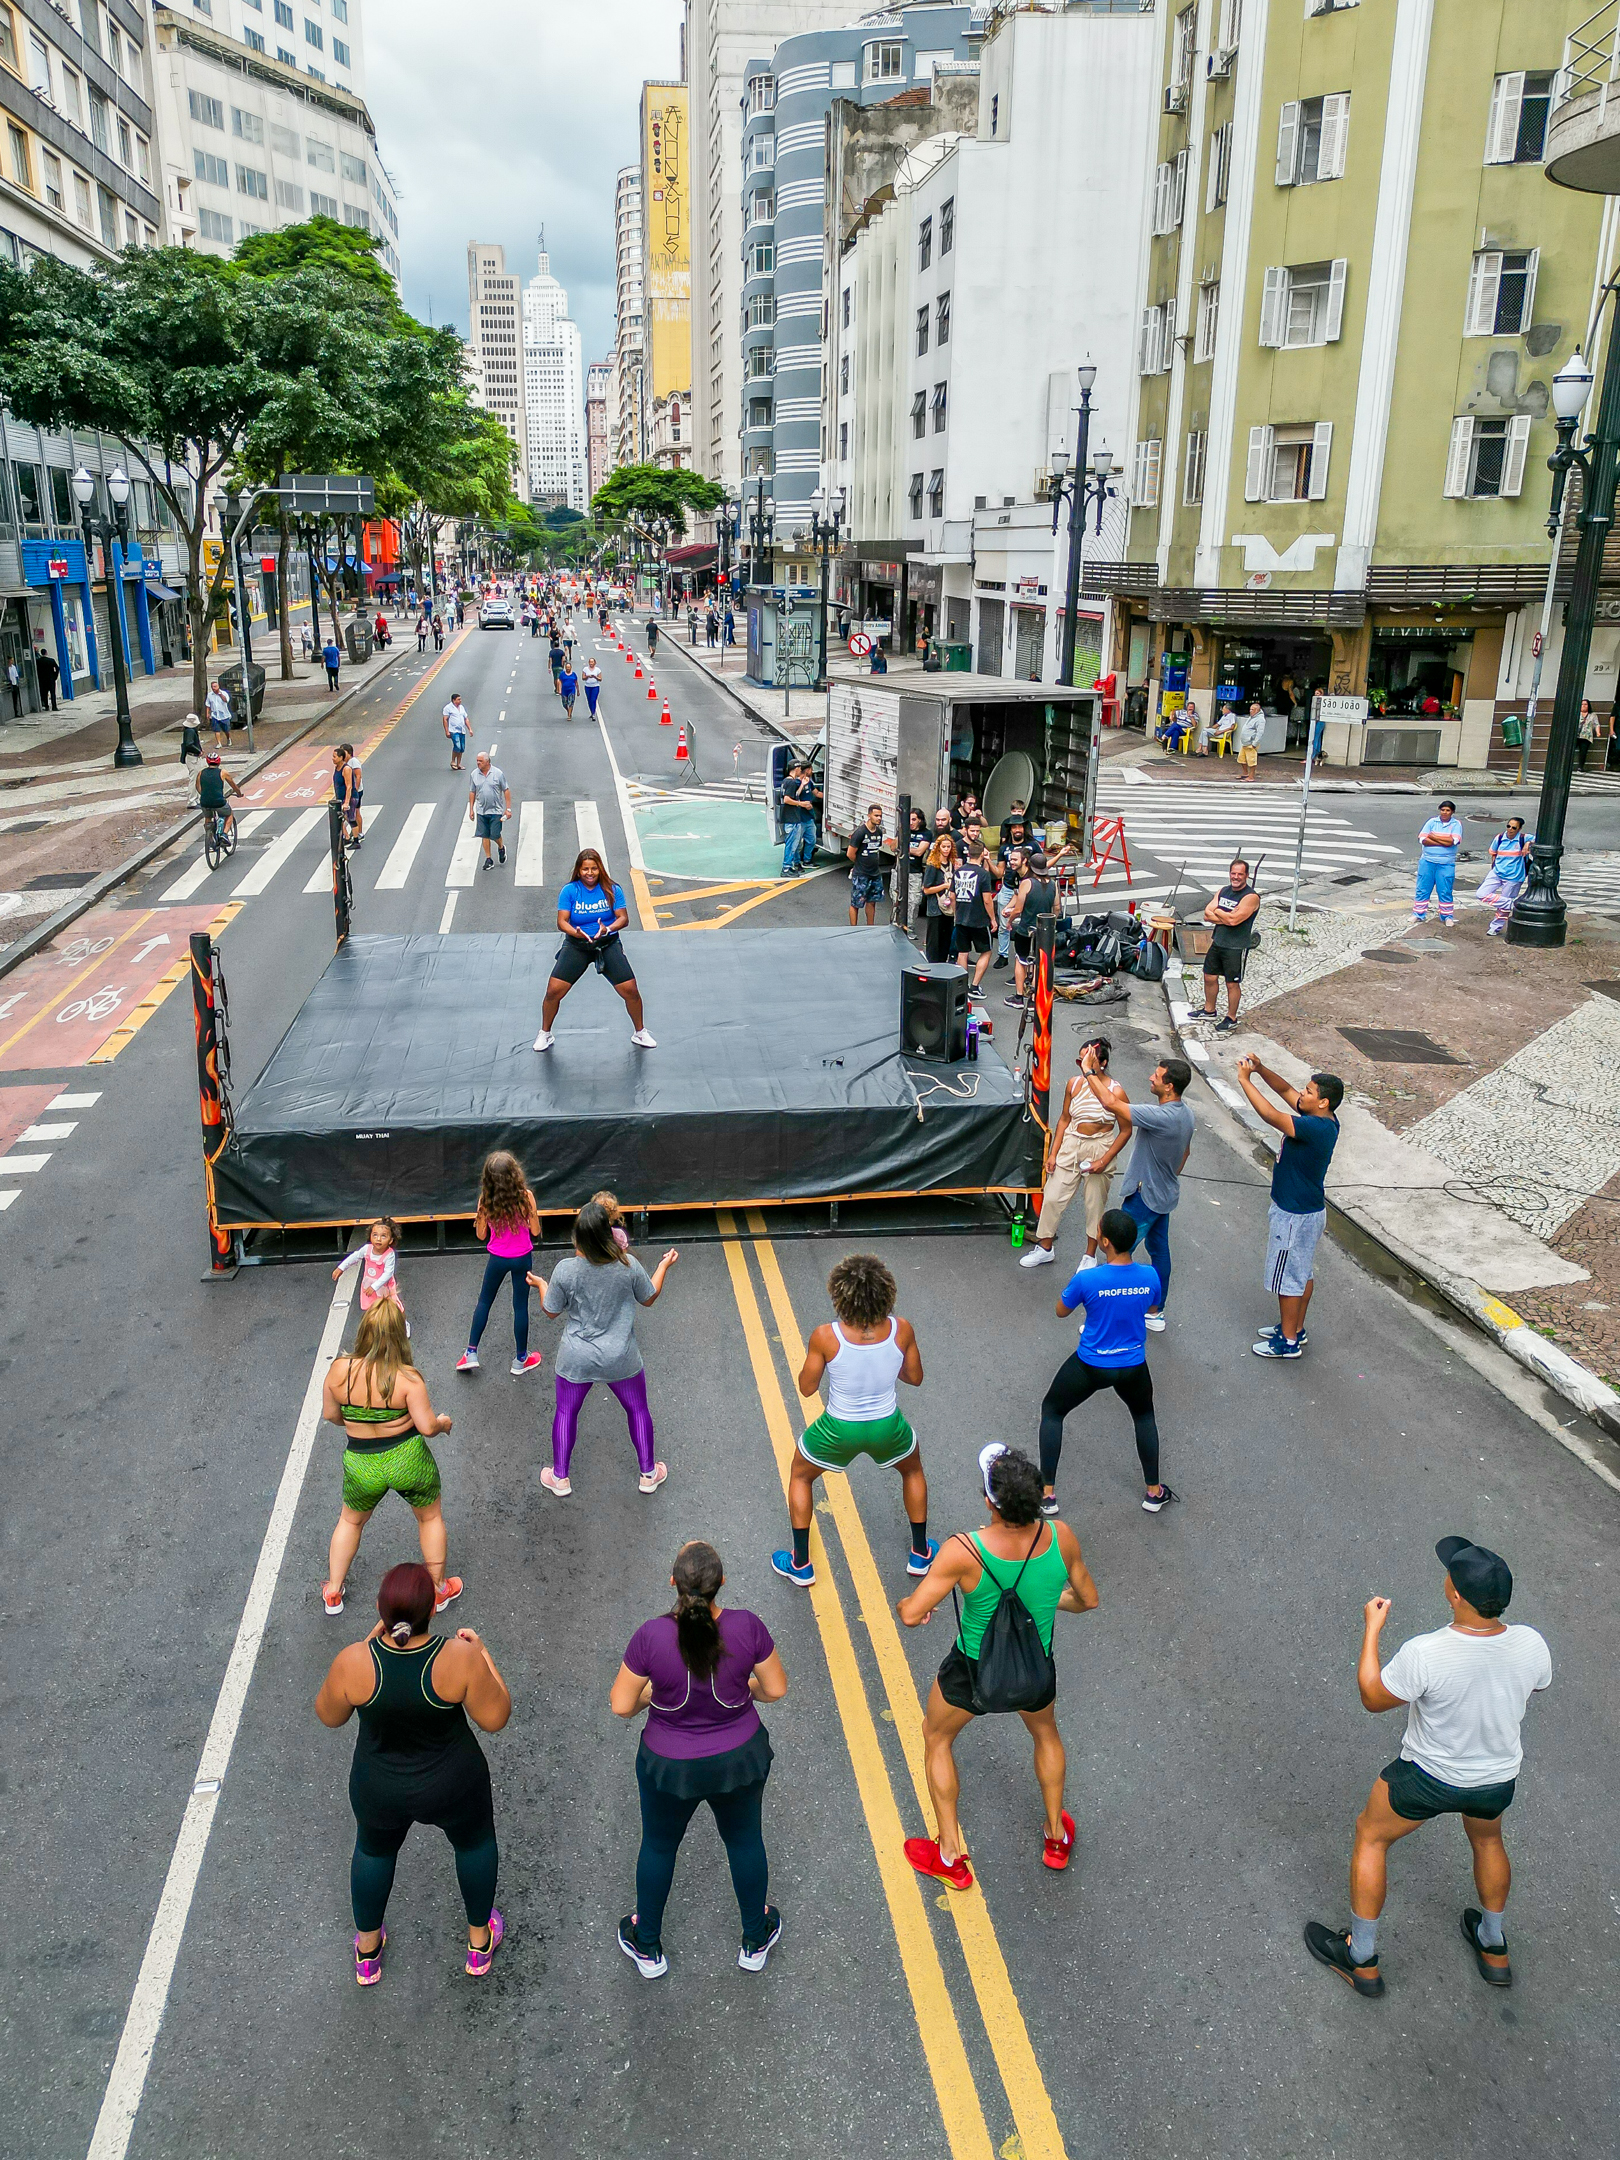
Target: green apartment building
1359	285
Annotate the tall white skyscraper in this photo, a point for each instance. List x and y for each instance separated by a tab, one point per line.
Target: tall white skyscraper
495	333
554	392
627	417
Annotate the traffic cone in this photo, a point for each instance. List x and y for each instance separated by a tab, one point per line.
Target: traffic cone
682	754
663	718
652	688
638	668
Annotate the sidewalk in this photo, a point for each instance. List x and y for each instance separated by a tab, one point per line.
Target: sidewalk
1482	1143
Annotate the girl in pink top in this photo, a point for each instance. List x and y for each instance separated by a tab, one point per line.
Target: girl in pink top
510	1221
376	1261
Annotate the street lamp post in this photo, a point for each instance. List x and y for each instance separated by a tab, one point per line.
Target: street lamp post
1538	916
1086	485
111	531
824	531
759	531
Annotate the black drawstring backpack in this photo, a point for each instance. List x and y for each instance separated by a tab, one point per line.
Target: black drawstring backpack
1014	1669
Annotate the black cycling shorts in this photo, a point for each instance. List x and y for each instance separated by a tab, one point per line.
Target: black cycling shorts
972	937
609	958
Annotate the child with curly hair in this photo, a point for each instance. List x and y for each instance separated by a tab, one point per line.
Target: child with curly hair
509	1221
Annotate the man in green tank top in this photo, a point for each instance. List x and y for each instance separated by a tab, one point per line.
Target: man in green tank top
1013	1552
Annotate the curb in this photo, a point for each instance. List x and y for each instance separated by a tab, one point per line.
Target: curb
735	696
1489	1314
89	896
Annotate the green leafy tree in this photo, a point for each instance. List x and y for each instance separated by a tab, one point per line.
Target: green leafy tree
320	243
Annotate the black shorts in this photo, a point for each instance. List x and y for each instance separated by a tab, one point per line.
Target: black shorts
1226	962
1418	1797
955	1679
609	959
971	939
1023	943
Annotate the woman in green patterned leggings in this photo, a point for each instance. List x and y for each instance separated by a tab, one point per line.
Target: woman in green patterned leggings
381	1401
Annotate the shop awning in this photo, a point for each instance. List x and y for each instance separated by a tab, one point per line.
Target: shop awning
157	590
697	557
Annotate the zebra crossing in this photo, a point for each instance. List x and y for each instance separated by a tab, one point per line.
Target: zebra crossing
1202	824
412	850
1592	880
740	788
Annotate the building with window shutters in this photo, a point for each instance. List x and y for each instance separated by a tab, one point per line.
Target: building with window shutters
1358	288
261	125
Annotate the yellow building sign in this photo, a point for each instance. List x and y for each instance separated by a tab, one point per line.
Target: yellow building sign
666	242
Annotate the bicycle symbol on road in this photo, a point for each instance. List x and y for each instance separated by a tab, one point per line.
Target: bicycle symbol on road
82	948
100	1005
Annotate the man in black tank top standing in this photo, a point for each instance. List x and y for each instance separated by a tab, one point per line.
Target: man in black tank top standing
1037	896
1232	911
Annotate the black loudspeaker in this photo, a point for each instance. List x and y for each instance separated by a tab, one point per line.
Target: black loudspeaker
933	1013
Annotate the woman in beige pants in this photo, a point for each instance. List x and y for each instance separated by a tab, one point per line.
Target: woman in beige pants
1085	1131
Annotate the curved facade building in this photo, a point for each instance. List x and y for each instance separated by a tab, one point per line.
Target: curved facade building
785	101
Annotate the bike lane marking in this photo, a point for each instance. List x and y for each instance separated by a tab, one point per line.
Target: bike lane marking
115	972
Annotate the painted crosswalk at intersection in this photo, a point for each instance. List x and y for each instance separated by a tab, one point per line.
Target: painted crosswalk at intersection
1204	824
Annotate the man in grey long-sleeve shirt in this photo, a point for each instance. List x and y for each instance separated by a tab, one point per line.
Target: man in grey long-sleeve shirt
1161	1133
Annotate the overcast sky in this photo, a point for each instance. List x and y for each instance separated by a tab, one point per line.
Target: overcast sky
496	117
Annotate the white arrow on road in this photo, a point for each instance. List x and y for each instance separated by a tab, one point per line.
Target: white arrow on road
16	998
152	944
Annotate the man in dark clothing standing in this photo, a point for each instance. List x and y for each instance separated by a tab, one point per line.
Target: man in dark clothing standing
1298	1214
798	820
49	676
868	875
1232	912
976	887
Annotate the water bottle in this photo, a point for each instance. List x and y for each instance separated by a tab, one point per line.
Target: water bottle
972	1039
1018	1229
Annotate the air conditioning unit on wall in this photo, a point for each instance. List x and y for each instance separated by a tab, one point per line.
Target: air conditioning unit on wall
1175	98
1220	65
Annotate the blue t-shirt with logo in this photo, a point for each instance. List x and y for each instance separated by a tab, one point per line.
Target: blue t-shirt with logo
1117	1302
1298	1182
589	906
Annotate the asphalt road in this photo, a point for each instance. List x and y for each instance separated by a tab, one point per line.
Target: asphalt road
1217	1750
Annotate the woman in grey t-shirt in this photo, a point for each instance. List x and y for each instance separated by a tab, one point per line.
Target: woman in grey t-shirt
599	1289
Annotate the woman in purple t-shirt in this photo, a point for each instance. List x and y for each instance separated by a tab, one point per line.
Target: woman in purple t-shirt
697	1671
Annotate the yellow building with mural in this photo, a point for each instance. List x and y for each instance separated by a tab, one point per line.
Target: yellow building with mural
666	239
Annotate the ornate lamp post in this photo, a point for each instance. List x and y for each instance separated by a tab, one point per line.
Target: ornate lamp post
759	531
1538	916
824	533
1084	486
111	531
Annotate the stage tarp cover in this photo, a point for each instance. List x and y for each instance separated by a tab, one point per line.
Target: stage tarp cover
777	1077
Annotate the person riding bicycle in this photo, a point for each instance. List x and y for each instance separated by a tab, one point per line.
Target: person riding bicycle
212	783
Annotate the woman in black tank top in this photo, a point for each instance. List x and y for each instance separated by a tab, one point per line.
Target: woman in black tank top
416	1760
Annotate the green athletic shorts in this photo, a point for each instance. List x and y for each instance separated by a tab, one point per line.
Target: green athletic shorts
407	1468
833	1443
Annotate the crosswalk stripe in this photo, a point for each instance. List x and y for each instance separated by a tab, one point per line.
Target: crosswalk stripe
403	852
530	866
6	1199
278	852
589	824
189	880
49	1132
320	878
464	855
13	1163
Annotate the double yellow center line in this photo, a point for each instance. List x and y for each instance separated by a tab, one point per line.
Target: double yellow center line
1035	2134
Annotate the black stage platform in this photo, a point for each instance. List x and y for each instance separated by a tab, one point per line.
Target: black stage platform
776	1078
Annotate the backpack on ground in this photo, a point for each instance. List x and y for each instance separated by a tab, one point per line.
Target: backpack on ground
1014	1669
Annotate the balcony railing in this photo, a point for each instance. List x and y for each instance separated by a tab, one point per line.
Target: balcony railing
1591	63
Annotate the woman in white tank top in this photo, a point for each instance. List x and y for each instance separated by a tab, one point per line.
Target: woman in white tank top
861	1355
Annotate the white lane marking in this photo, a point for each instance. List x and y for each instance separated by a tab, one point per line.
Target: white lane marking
464	858
530	866
502	721
49	1132
403	853
589	824
444	919
144	2019
6	1199
73	1102
12	1165
627	818
320	878
278	852
186	884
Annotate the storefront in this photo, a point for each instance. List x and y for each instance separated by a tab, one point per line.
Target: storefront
1278	668
77	632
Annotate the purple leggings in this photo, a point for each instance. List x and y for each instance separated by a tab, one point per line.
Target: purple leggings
571	1394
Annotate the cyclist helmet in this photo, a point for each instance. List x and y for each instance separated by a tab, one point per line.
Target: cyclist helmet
213	758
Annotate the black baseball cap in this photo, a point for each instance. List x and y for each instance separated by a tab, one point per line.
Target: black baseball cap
1477	1574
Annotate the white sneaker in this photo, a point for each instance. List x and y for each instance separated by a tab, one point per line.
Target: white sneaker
653	1478
544	1040
1037	1256
1156	1322
1089	1260
644	1041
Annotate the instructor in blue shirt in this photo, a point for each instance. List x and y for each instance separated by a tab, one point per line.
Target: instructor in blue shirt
1117	1297
591	912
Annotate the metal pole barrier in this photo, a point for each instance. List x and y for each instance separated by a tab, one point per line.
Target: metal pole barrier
1088	816
1040	1055
342	891
902	862
1304	807
210	1096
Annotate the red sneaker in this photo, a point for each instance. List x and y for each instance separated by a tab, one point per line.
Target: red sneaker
1055	1852
448	1591
924	1855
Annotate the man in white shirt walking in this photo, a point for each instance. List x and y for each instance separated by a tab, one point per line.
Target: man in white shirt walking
1465	1689
1250	729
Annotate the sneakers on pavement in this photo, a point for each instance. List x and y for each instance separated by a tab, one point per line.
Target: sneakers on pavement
1154	1502
368	1970
447	1592
522	1365
467	1362
1049	1504
643	1040
751	1957
555	1484
1056	1852
784	1565
1037	1256
479	1961
918	1563
502	853
650	1480
489	862
1279	1345
544	1040
332	1606
924	1855
1333	1951
1494	1968
651	1964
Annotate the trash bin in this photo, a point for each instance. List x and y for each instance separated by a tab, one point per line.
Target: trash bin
1513	731
956	656
358	639
230	681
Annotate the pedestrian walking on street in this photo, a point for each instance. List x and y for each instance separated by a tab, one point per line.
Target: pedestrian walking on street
422	628
554	655
455	727
939	898
862	1354
489	805
438	628
731	627
1438	843
219	713
799	823
568	690
416	1761
49	675
1029	1570
599	1288
1249	733
380	1399
711	629
331	660
1232	913
1087	1129
1465	1689
1505	880
1591	730
698	1671
593	685
1298	1212
1112	1353
306	641
508	1222
870	856
652	634
1161	1133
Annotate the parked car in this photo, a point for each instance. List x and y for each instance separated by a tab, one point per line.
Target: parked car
496	615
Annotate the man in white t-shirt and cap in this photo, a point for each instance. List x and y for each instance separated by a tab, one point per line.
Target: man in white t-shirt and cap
1465	1689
